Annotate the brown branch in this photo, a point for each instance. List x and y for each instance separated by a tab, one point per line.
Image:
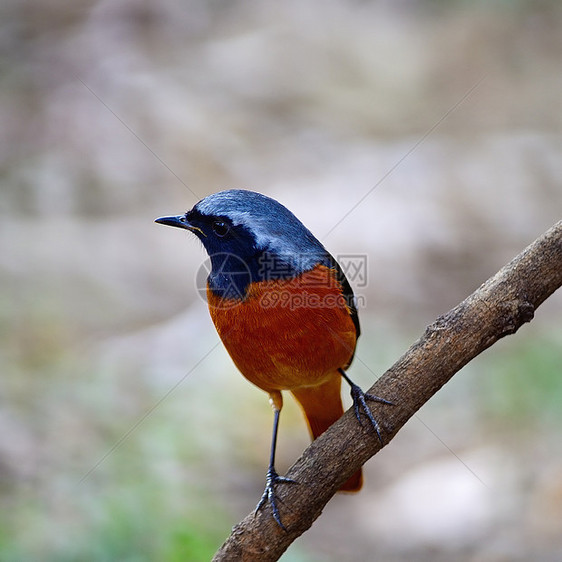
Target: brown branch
498	308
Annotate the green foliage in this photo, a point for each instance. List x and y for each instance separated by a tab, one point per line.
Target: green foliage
526	382
190	543
128	531
133	535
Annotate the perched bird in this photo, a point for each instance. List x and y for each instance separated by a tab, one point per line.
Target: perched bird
283	309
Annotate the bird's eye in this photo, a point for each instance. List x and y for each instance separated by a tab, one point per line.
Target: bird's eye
220	228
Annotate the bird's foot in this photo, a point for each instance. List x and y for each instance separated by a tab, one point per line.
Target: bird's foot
272	479
360	400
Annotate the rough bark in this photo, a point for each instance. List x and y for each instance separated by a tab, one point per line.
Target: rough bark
497	309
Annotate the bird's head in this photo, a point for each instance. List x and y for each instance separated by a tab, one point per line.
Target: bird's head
249	237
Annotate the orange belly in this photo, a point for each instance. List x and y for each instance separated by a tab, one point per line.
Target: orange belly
287	333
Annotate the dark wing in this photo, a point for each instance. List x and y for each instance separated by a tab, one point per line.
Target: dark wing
347	291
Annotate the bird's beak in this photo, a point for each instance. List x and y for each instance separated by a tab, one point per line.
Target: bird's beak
180	222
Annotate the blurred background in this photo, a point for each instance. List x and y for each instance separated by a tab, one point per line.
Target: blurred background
425	135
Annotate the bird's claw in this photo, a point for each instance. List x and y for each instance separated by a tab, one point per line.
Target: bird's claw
360	399
272	479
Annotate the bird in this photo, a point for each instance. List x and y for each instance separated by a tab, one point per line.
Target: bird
284	310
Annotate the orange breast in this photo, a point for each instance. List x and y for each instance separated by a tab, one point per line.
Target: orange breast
287	334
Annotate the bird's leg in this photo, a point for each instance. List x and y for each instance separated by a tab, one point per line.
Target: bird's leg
272	478
360	399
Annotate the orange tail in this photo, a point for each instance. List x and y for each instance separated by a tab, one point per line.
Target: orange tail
322	406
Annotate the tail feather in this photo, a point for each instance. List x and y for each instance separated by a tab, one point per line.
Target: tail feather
322	406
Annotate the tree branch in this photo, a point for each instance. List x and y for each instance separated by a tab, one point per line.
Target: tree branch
497	309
